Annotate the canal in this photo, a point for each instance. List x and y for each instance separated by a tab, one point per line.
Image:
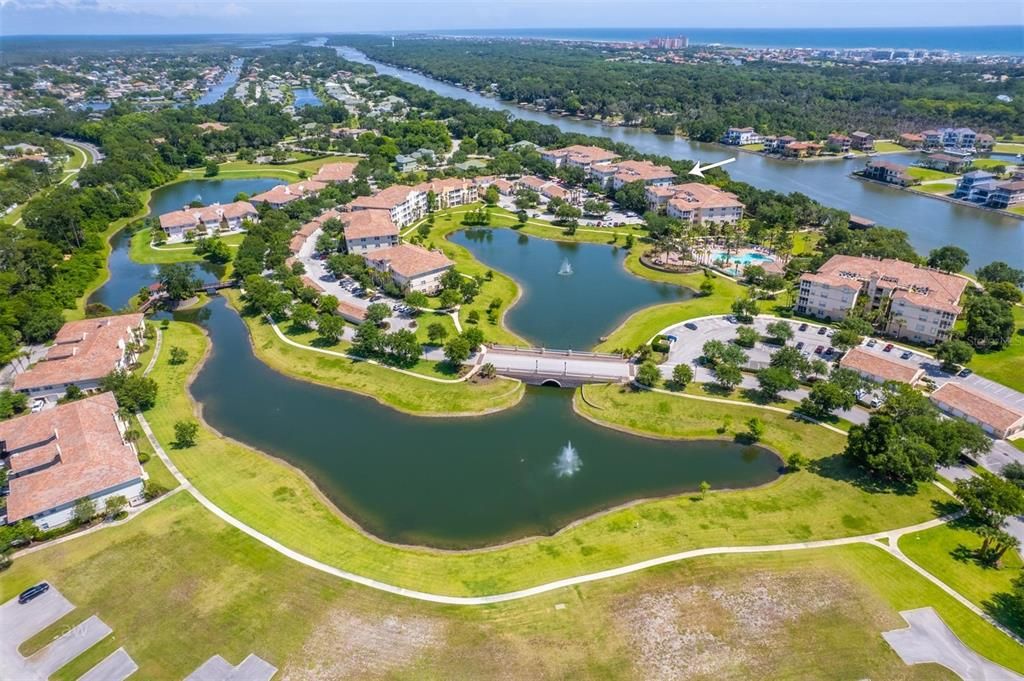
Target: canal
929	222
128	276
572	293
455	483
217	92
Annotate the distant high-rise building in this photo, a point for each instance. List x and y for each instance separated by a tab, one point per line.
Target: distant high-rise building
669	43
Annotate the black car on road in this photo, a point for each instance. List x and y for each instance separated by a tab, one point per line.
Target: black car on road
33	592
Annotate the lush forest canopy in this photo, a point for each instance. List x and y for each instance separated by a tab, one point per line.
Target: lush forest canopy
807	101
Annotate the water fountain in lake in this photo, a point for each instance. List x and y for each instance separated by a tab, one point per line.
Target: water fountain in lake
568	462
566	269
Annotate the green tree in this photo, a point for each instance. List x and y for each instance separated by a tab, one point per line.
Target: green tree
774	380
780	331
948	258
648	374
185	433
745	309
437	332
475	338
795	462
85	511
705	487
953	353
178	355
632	196
178	281
456	351
114	506
473	317
416	299
303	315
212	169
755	429
682	375
1005	291
133	392
728	375
491	195
999	271
989	322
746	336
329	328
449	298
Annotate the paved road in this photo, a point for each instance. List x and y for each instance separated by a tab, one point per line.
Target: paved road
929	640
560	365
95	155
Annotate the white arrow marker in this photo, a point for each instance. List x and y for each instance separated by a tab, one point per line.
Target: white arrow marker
699	171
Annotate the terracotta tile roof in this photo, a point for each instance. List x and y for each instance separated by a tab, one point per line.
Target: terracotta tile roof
930	288
583	154
387	199
276	196
553	191
335	172
978	406
85	350
831	280
446	185
79	448
696	195
366	224
239	209
875	365
533	182
312	283
351	312
631	171
177	218
408	260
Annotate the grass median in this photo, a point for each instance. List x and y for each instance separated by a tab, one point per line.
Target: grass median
1005	366
279	501
142	250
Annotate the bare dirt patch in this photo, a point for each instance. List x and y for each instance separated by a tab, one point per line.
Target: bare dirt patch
716	631
350	646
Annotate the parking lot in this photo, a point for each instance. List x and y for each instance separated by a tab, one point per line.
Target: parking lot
346	291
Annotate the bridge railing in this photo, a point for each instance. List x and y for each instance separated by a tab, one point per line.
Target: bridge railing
549	352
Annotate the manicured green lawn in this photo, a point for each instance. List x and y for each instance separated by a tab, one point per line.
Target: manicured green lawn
279	501
888	146
394	389
929	174
805	242
289	172
947	553
177	585
1007	365
937	188
987	163
752	147
1008	148
143	251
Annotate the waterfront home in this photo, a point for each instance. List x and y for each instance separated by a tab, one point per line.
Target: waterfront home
615	175
995	418
958	138
412	267
877	368
983	142
368	230
578	156
741	136
330	173
212	219
862	141
975	186
911	140
405	204
859	222
888	172
74	451
1007	195
406	164
916	303
283	194
83	352
946	163
695	202
932	139
802	149
837	143
775	145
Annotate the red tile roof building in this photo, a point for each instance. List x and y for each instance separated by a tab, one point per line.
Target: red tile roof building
878	368
83	353
335	172
368	230
413	268
695	202
578	156
995	418
405	204
212	219
60	455
920	304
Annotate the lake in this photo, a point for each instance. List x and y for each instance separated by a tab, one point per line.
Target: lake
565	311
128	276
456	482
929	222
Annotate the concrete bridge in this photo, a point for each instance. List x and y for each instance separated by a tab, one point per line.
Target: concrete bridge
560	368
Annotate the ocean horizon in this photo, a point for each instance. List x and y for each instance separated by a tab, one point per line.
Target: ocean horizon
965	40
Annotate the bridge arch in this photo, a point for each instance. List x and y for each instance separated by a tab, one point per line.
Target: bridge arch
551	383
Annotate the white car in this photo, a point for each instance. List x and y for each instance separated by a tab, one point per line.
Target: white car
38	404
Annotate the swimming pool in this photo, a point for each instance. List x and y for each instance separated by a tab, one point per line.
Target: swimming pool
737	261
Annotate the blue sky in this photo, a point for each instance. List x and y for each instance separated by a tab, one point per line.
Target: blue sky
274	16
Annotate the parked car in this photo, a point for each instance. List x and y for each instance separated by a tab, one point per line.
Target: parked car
38	404
800	345
872	342
822	331
820	349
888	347
876	403
829	351
831	332
691	326
964	373
803	327
33	592
907	355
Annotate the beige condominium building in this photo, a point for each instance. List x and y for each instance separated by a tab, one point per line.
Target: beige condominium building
405	204
695	202
369	230
412	267
916	303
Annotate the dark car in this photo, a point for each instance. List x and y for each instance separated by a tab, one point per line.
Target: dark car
691	326
906	355
803	327
800	345
887	348
965	372
33	592
822	331
820	349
